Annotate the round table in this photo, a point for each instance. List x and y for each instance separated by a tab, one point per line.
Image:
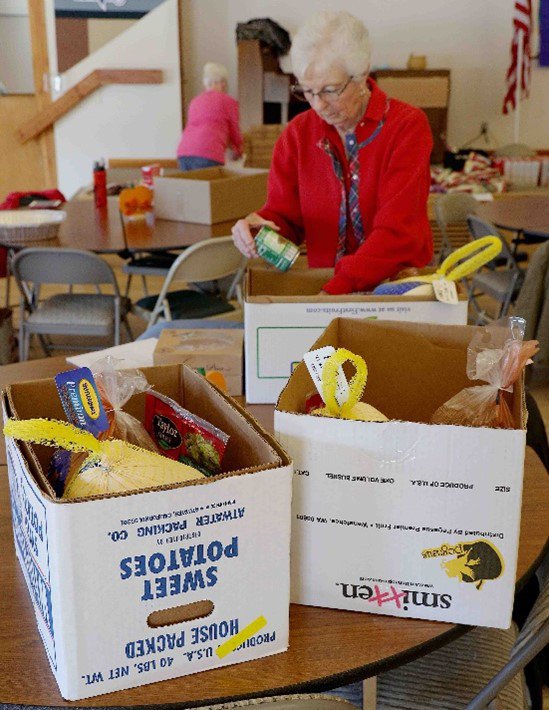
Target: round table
101	230
327	647
518	214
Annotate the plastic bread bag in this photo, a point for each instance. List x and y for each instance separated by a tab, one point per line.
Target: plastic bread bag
496	355
116	387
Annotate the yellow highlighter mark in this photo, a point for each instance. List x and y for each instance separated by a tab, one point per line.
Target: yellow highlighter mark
246	633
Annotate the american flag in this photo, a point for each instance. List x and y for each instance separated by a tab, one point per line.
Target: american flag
522	22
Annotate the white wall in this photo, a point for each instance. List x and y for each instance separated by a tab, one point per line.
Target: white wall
15	47
123	120
470	37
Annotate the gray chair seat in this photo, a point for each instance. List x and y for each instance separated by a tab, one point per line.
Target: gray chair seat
287	702
450	677
73	313
498	283
74	309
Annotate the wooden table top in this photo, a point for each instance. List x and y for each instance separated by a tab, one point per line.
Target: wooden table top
327	647
519	214
101	231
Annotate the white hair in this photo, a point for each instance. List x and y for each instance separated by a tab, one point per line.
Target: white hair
213	73
329	39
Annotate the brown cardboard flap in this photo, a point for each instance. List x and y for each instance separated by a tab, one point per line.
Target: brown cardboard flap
268	285
412	368
213	174
270	282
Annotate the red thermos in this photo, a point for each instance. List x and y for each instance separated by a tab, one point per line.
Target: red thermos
100	184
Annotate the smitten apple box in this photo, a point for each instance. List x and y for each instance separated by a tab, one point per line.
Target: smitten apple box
404	517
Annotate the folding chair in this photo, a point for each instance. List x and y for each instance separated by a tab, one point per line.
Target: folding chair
210	260
501	283
451	211
68	313
147	264
472	671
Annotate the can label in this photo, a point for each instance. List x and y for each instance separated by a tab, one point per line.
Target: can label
148	174
275	249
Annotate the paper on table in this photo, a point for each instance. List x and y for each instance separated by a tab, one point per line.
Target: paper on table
483	196
136	354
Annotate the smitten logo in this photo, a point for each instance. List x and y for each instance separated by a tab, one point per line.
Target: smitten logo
474	562
391	597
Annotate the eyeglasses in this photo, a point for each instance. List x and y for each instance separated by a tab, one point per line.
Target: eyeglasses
329	95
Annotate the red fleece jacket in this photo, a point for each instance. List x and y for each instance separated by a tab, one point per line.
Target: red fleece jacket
304	194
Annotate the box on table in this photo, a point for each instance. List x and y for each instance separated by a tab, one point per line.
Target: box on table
404	517
216	349
210	195
283	316
110	576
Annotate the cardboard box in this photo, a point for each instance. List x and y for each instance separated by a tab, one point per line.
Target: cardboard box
112	577
383	513
213	349
283	316
210	195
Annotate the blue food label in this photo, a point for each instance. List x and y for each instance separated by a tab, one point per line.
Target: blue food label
81	400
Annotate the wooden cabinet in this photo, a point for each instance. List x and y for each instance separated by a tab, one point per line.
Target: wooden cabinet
429	90
263	89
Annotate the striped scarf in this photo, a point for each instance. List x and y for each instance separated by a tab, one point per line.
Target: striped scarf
349	200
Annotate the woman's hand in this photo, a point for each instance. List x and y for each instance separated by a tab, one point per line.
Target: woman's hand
242	235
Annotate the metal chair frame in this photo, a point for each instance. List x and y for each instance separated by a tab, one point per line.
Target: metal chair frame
200	263
503	283
37	266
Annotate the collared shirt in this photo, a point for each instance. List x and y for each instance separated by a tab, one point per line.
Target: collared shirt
304	195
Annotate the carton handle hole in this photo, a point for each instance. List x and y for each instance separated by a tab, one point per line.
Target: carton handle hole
177	614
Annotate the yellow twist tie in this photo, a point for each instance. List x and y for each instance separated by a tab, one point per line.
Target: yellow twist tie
352	408
53	433
472	256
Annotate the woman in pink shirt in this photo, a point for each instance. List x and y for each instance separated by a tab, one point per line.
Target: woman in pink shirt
212	124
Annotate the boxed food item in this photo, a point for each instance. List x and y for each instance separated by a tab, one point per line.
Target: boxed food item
214	350
139	587
210	195
283	316
404	517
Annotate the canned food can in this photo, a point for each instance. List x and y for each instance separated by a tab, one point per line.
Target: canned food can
148	173
275	249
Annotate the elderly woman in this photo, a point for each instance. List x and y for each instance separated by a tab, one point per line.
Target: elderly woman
351	177
212	124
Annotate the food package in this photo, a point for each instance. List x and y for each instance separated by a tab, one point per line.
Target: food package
111	466
498	356
94	404
183	436
116	387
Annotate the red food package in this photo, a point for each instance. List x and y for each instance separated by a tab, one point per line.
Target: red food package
182	436
313	401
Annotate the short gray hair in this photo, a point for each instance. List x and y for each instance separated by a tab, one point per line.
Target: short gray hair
331	39
214	73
